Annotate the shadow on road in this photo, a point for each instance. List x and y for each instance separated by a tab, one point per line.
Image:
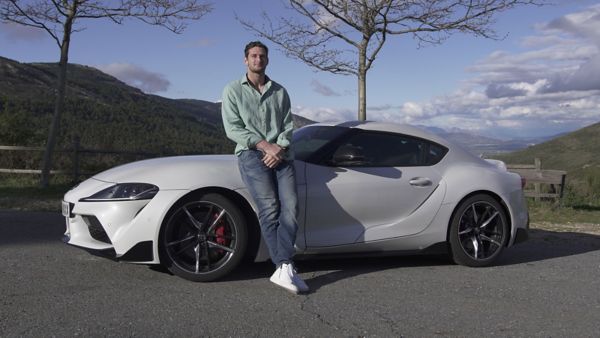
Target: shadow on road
544	244
30	228
336	269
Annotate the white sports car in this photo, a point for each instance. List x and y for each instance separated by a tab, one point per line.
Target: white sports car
364	188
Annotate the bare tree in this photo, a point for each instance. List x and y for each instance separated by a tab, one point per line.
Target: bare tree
60	19
325	27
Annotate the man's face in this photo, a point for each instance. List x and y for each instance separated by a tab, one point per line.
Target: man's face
257	60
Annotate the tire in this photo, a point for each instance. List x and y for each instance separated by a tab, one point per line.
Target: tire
478	231
203	239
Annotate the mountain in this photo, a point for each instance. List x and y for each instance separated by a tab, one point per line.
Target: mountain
105	113
573	151
577	152
100	105
479	144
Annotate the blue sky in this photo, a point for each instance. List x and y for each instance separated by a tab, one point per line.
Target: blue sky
543	78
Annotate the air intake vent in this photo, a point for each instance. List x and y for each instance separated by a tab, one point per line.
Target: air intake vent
95	228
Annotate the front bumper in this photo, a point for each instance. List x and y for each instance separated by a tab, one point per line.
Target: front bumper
141	252
119	230
88	232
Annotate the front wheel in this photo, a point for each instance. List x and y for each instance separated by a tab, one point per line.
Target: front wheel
478	232
203	238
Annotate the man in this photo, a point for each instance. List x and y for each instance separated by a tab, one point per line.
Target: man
257	117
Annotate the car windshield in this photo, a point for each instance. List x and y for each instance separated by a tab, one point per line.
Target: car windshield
310	139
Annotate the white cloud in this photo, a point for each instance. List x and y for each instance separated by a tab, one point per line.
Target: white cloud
552	85
322	89
581	24
554	81
321	114
136	76
15	32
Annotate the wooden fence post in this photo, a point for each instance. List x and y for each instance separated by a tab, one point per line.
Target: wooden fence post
537	177
537	185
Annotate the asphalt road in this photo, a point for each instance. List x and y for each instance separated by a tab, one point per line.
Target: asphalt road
546	287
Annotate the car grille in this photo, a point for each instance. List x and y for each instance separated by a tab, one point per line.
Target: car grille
96	230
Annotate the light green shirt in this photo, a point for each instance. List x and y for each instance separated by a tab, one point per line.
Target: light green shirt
250	117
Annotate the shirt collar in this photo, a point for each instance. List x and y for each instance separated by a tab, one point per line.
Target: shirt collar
244	79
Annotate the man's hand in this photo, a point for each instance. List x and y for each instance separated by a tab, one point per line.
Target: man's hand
274	153
271	161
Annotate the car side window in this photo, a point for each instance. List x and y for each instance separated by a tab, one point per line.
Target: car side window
435	154
380	149
309	140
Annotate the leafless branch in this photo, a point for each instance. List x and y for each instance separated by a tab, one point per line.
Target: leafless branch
365	25
59	19
51	15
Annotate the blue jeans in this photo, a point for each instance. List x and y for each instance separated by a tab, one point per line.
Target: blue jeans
274	192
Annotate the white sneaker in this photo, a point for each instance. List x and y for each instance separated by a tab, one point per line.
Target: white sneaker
297	280
283	277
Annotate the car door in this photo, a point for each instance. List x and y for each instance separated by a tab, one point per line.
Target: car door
371	180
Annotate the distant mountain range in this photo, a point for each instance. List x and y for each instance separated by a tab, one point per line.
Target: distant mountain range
36	81
479	144
105	113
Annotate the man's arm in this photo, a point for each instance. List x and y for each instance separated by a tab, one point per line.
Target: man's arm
235	128
285	138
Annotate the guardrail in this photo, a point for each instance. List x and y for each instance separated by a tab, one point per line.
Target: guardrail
75	153
538	177
24	171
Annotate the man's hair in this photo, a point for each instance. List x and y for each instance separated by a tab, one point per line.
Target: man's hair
255	44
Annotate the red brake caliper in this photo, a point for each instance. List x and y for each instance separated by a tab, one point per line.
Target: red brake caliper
220	232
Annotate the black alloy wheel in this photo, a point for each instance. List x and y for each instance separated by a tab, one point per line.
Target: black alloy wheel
203	239
479	231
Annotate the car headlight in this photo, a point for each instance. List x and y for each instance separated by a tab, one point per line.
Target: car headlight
124	192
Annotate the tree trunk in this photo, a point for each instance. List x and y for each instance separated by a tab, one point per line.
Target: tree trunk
60	98
362	83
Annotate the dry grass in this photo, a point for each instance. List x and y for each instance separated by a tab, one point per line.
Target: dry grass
587	228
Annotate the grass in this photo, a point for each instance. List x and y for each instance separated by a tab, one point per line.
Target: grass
24	193
551	212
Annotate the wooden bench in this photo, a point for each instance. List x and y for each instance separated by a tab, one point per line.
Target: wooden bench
534	174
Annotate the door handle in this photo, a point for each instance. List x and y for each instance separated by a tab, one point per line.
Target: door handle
420	181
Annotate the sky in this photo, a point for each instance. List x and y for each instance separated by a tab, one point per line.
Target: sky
540	78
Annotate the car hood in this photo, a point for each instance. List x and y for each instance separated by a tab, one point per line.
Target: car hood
179	172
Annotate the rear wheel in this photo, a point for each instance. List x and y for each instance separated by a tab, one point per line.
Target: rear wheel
203	238
478	232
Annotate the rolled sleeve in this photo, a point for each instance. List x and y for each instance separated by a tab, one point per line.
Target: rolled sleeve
285	137
234	125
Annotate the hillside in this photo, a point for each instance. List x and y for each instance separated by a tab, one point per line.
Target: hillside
578	153
104	113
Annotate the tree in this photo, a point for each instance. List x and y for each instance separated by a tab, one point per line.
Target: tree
365	25
59	18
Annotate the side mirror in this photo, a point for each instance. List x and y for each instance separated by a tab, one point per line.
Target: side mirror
349	155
